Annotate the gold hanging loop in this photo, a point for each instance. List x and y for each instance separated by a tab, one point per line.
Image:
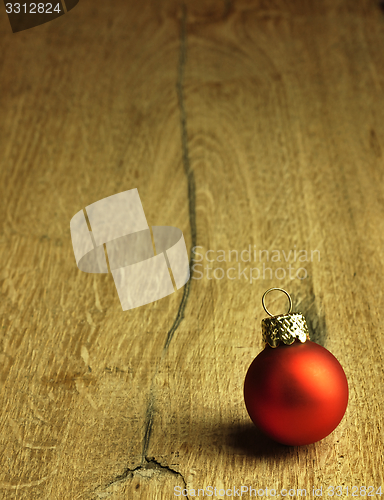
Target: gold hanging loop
281	290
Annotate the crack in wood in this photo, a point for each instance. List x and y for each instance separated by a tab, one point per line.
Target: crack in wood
150	464
228	5
188	171
148	424
148	469
192	217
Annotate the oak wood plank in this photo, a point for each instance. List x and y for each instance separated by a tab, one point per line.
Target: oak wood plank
252	126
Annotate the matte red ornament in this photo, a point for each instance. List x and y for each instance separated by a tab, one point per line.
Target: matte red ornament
295	390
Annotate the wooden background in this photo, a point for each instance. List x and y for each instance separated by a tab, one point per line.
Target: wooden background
244	122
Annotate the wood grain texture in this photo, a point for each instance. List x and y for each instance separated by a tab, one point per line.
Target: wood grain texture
247	124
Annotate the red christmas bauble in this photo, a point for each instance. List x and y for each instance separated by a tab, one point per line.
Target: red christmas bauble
296	394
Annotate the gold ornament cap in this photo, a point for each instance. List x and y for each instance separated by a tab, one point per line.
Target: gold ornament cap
285	328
